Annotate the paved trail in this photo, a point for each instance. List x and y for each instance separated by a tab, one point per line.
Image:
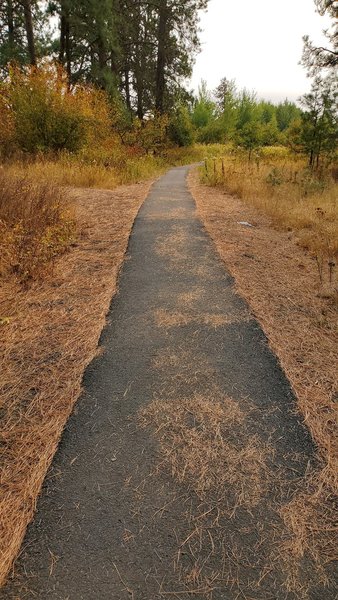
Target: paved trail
115	521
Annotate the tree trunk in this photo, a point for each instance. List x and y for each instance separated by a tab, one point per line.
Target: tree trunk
139	91
29	30
127	89
161	56
101	52
65	52
62	37
68	51
10	23
113	63
102	59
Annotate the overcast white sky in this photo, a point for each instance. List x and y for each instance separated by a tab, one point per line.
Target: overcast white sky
258	43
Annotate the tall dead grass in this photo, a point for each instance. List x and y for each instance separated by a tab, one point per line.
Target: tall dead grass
105	168
292	196
37	225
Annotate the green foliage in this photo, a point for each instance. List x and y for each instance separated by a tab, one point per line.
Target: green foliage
319	133
180	127
213	133
270	133
204	108
46	116
13	36
236	116
286	113
142	51
249	136
247	109
225	92
151	135
318	58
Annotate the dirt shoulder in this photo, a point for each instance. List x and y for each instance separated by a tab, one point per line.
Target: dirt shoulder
49	334
280	282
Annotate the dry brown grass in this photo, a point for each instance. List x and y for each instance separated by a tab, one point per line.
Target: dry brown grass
221	469
37	225
311	517
292	197
280	281
105	165
174	213
173	245
49	336
189	298
167	319
199	448
182	366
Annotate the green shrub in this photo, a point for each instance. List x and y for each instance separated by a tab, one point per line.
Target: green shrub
47	116
211	134
180	128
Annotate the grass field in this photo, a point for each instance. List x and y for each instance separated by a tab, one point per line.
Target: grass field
281	186
103	169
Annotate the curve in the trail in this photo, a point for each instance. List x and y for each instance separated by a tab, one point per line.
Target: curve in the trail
113	521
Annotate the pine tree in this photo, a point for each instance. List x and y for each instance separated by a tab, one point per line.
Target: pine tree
319	135
286	112
23	33
177	43
315	58
27	9
204	108
87	41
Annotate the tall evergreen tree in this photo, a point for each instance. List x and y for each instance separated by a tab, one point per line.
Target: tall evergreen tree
320	120
87	43
27	9
315	58
143	48
286	112
177	43
23	32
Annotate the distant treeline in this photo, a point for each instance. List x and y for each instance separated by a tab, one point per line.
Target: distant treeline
62	59
231	115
